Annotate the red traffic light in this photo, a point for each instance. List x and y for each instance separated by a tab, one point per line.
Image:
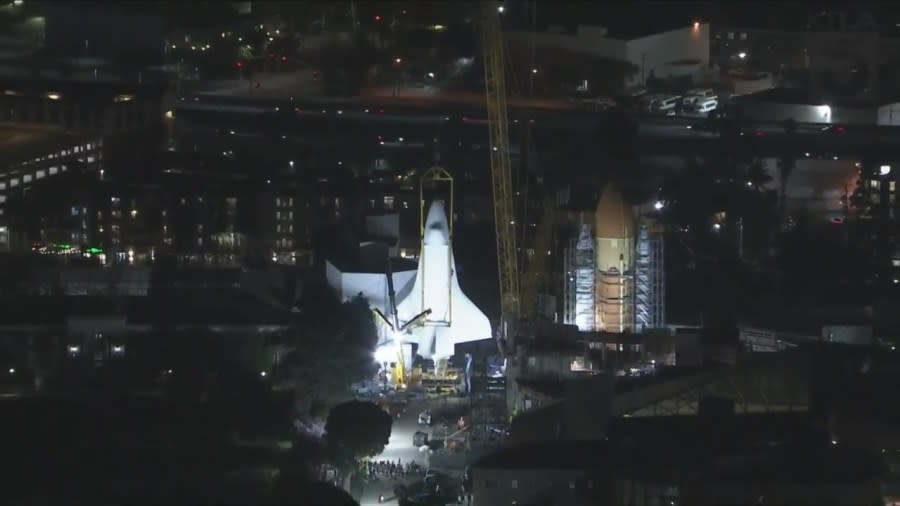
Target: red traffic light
283	58
403	12
378	19
239	64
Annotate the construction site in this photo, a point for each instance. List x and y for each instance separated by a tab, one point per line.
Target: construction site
561	271
581	335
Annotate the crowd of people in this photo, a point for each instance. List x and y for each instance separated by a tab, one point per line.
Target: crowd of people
389	469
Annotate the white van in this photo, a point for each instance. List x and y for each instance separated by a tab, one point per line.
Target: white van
665	104
707	105
697	96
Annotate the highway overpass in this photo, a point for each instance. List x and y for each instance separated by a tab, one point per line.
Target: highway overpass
657	135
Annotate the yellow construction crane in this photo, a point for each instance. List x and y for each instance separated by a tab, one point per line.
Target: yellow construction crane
501	173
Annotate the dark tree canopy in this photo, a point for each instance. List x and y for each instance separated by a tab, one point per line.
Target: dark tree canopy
301	493
357	429
332	350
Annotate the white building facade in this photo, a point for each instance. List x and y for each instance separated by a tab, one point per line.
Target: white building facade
682	52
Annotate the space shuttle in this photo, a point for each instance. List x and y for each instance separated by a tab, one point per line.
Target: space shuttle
432	310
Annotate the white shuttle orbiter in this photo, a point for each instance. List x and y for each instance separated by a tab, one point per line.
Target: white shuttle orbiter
434	311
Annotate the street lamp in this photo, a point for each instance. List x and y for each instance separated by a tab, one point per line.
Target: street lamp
500	9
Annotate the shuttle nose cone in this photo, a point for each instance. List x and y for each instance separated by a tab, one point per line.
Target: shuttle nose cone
437	231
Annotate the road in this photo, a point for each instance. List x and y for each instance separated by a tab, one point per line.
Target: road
328	126
400	447
373	110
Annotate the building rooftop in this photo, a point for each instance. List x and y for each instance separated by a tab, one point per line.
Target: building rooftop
371	258
796	463
623	20
81	89
680	441
551	455
20	143
181	306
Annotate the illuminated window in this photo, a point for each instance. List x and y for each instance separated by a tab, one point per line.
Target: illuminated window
892	186
389	202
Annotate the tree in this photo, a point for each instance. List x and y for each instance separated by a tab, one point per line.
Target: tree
297	493
356	429
332	349
304	460
711	252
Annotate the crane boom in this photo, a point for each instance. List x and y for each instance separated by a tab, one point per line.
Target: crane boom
501	173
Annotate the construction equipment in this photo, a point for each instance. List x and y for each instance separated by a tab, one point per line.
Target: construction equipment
401	370
501	173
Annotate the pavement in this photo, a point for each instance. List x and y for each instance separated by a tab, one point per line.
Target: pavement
271	85
400	447
457	97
